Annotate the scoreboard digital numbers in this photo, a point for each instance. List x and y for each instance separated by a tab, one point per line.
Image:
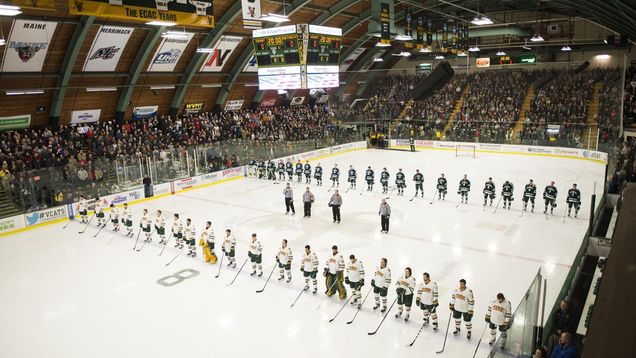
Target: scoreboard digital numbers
323	56
277	50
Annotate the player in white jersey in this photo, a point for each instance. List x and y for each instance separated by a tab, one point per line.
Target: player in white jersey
334	274
426	299
82	209
100	204
127	219
255	254
284	260
114	217
144	224
355	279
309	268
229	247
498	316
160	227
189	235
380	283
207	242
405	290
462	303
177	231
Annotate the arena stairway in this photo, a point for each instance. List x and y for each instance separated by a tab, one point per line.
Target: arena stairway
456	109
402	114
591	131
7	207
525	107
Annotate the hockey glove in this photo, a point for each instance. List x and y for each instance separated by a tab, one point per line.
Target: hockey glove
223	249
487	318
451	306
417	302
325	272
302	269
435	303
361	283
373	283
347	280
400	291
277	260
249	254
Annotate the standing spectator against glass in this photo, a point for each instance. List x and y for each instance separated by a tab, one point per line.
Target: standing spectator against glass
308	199
562	322
335	203
385	213
289	199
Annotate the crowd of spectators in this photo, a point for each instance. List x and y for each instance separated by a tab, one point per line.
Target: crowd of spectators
629	99
608	118
390	95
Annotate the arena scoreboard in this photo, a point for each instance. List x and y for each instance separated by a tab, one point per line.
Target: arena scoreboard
297	56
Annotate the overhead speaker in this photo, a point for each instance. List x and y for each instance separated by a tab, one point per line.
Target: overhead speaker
582	67
543	80
440	76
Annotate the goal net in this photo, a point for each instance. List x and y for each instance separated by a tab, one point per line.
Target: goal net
463	150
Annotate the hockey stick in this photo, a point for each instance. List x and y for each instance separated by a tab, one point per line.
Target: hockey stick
142	245
499	202
112	237
362	304
434	196
239	271
65	225
85	227
137	239
564	213
305	288
164	246
175	257
268	277
383	318
479	342
220	266
350	186
414	196
418	333
446	335
341	308
98	231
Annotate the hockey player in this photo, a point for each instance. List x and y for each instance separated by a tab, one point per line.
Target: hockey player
114	217
498	316
355	279
384	180
464	188
252	167
427	300
309	268
462	303
529	193
550	194
144	224
352	177
190	234
369	176
574	199
160	227
299	170
284	260
99	211
380	283
400	182
442	186
307	172
318	174
206	241
418	178
271	170
281	170
228	248
289	167
506	193
177	231
127	219
334	274
405	290
255	253
489	191
335	176
82	209
261	169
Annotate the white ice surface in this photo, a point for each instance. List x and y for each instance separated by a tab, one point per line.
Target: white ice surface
69	295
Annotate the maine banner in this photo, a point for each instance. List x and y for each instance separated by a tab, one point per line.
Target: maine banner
27	45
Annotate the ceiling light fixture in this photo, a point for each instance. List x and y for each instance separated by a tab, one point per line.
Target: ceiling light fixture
439	57
101	89
474	49
378	59
8	10
161	87
380	44
537	38
23	92
501	53
462	54
161	23
2	42
425	50
566	48
174	35
275	18
205	50
403	37
480	20
212	85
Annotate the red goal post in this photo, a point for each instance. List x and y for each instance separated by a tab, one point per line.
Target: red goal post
466	150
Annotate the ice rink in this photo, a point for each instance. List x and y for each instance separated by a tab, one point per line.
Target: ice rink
68	295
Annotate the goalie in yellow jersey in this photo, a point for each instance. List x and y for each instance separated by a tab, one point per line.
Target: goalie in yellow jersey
207	242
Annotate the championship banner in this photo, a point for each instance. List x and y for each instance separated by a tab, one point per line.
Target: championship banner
187	13
419	29
193	108
251	65
353	56
385	24
144	112
234	105
168	54
429	31
297	101
15	122
408	28
27	45
87	116
48	5
221	53
107	47
251	14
